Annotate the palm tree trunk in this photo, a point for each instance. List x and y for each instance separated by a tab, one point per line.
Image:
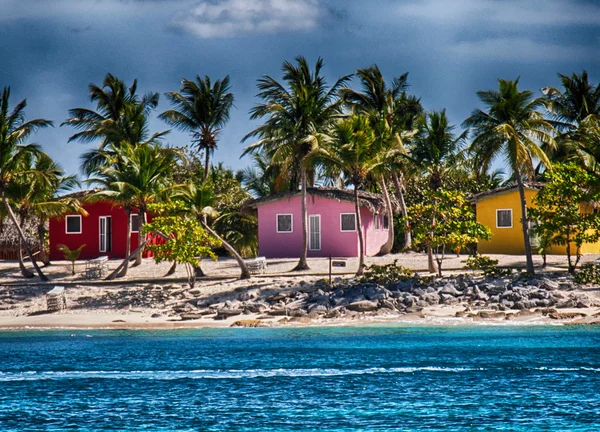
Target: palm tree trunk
303	263
26	273
206	164
386	248
243	267
141	237
403	210
524	222
41	231
127	241
22	237
116	271
361	252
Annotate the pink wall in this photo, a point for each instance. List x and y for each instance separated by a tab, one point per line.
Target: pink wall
334	242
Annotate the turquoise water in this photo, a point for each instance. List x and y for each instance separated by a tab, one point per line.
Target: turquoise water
333	379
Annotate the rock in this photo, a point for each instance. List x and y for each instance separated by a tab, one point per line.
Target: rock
247	323
226	313
566	315
248	295
432	298
448	299
190	316
155	315
317	308
414	309
373	292
450	289
488	315
549	284
362	306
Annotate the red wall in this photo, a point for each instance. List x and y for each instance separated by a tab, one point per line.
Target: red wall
90	233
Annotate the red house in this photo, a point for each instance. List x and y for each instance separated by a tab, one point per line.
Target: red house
103	231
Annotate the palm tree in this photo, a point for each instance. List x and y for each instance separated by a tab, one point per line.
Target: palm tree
202	109
435	151
14	131
138	175
511	127
353	150
570	113
295	114
264	178
392	112
37	196
121	116
199	201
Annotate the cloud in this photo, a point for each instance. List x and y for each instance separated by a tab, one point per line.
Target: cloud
529	12
518	49
229	18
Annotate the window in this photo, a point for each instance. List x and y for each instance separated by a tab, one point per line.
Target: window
386	223
284	223
348	222
504	218
73	224
376	221
135	223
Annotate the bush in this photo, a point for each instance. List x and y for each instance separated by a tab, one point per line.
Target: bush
588	274
386	274
486	264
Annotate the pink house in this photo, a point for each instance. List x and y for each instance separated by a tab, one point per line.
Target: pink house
331	223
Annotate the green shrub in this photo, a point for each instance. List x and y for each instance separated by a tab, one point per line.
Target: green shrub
588	274
386	274
486	264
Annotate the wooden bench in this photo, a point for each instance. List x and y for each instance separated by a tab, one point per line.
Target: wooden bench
257	265
96	268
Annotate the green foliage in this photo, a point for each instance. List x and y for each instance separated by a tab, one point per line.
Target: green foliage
588	274
386	274
187	241
71	255
562	210
486	264
445	222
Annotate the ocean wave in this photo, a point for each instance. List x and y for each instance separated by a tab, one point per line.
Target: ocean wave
250	373
216	374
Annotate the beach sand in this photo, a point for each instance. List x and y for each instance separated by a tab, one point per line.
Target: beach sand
145	299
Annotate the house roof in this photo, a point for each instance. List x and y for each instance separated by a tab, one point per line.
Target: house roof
80	194
530	185
374	202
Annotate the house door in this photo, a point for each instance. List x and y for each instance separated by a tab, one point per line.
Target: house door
105	234
314	232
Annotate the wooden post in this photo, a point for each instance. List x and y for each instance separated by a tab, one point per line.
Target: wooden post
329	270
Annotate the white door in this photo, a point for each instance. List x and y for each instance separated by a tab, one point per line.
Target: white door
105	234
314	232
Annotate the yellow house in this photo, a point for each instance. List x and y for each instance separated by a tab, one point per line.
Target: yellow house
500	210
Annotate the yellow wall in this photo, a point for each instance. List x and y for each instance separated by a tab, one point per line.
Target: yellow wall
510	240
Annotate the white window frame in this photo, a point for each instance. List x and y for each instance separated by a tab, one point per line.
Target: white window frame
291	223
131	222
355	222
320	232
511	218
376	222
67	225
383	224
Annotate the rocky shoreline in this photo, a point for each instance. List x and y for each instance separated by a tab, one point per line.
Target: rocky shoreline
266	302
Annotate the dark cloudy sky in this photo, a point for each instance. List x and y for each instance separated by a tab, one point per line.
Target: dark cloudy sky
50	50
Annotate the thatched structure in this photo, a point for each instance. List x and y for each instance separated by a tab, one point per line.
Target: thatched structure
529	185
375	203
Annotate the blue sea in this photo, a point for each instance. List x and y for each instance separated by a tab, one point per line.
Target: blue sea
329	379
